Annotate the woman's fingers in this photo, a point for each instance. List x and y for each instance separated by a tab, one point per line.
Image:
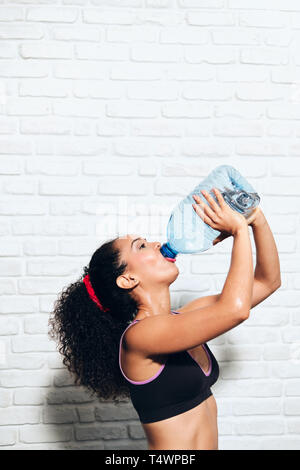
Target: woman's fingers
219	197
200	211
204	206
211	201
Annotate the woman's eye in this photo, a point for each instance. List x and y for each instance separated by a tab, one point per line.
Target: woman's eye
143	244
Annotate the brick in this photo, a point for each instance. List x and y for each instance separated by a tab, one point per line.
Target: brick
260	92
153	53
247	73
115	52
95	432
19	146
264	148
135	110
136	71
91	167
4	228
115	128
274	19
249	388
18	304
291	406
20	186
209	92
28	107
258	407
191	72
93	15
76	247
244	371
240	110
45	433
183	35
264	55
202	18
52	14
10	166
262	335
63	187
5	399
8	436
46	303
136	431
25	361
46	50
88	89
20	415
11	13
201	3
50	268
77	71
69	395
10	248
36	324
21	32
35	247
47	87
59	415
136	33
8	326
10	268
186	110
73	33
261	427
86	414
157	92
29	397
122	187
236	37
140	444
52	167
40	286
26	206
112	412
14	379
55	362
64	379
210	54
239	353
257	5
161	17
32	343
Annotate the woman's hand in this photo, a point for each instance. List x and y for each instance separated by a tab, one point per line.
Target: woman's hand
251	220
218	215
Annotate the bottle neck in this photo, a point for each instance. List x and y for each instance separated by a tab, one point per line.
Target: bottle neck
167	251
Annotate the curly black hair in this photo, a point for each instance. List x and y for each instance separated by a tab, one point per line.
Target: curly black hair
88	338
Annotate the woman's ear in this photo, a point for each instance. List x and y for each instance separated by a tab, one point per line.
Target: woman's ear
126	281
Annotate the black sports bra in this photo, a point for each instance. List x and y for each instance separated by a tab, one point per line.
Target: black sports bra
179	385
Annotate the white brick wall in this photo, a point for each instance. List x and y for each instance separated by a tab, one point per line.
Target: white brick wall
114	107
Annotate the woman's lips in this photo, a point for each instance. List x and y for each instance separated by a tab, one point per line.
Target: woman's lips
171	259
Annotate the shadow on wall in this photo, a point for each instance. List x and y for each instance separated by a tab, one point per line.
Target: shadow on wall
74	419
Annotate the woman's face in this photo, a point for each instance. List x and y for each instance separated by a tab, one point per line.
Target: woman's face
145	262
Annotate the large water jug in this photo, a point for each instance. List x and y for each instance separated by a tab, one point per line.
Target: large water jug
187	232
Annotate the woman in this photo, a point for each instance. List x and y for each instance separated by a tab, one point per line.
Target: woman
161	359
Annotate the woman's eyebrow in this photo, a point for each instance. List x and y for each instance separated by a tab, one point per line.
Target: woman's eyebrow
136	240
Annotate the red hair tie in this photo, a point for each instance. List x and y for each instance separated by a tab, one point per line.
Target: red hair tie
92	294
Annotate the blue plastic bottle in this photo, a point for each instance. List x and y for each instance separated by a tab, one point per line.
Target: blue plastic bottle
186	231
